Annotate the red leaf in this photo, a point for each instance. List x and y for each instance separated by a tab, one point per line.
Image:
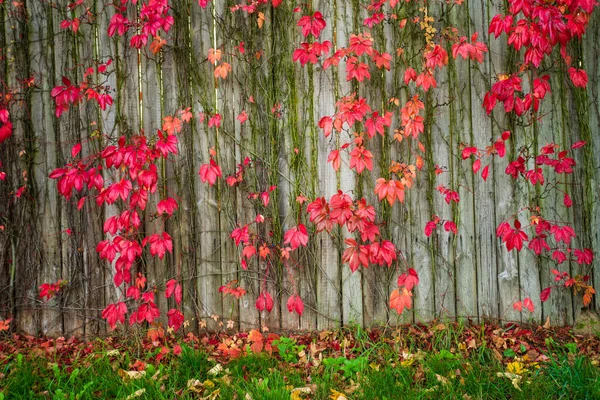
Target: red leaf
484	173
176	319
528	304
450	226
174	288
335	159
578	77
296	237
264	301
210	172
409	279
295	304
545	294
75	150
114	313
476	166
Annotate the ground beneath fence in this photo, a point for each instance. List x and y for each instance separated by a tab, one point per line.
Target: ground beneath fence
439	360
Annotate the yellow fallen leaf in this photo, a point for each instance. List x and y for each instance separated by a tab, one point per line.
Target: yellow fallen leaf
335	395
135	394
131	375
516	368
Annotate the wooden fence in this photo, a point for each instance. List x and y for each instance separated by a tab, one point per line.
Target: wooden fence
469	274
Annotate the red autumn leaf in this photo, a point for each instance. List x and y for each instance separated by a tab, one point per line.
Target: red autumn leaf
468	151
355	255
567	200
584	256
326	123
335	159
114	313
545	294
383	252
175	319
174	288
167	206
210	172
476	166
558	256
410	75
264	302
578	77
528	304
450	226
409	279
49	290
75	150
295	304
518	305
485	172
312	24
430	226
242	117
240	235
159	244
296	237
6	131
361	158
356	70
538	244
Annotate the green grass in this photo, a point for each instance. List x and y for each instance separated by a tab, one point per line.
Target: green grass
364	367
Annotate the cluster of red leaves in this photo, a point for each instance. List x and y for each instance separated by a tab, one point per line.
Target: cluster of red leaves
431	226
538	27
126	175
497	148
69	94
250	7
401	298
49	290
7	128
152	19
508	90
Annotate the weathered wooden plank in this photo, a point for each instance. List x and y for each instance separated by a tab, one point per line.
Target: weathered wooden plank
441	151
460	127
328	290
202	85
550	129
591	53
185	177
21	248
506	194
352	304
487	273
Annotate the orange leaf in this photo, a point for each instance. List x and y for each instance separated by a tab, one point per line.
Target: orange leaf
399	301
214	55
157	44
